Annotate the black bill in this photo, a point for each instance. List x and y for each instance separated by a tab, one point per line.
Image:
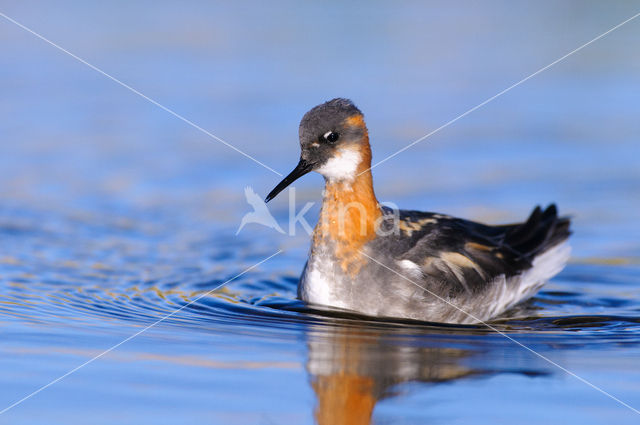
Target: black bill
301	169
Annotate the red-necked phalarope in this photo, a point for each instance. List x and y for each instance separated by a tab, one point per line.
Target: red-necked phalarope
410	264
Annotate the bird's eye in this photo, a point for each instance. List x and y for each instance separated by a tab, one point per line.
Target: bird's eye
331	136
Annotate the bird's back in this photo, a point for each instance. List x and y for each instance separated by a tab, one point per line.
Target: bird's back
468	267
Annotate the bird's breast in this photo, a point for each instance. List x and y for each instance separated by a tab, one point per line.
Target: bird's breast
323	281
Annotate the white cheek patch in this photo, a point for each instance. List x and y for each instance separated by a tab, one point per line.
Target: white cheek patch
343	166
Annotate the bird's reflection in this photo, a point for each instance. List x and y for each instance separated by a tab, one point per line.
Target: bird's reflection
352	368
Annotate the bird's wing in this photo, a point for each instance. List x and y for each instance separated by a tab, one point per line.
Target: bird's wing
468	255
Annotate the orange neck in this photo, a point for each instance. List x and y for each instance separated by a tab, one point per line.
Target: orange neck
350	213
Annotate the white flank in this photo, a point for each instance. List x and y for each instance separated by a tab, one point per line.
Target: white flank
524	286
411	268
546	265
343	166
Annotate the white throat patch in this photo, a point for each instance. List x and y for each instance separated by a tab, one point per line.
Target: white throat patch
343	166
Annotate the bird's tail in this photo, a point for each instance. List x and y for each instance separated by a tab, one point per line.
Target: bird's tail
542	231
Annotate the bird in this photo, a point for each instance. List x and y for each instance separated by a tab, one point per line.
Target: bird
260	213
389	263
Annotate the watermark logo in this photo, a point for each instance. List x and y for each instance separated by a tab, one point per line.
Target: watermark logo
388	223
260	214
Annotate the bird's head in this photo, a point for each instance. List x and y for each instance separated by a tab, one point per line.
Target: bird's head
333	141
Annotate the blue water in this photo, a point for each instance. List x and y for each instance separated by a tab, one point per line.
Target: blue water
115	214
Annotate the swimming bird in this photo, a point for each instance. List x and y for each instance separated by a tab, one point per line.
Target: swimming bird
380	262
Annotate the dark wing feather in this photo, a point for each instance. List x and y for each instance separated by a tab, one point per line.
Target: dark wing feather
467	255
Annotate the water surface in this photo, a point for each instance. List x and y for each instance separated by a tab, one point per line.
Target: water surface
114	214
